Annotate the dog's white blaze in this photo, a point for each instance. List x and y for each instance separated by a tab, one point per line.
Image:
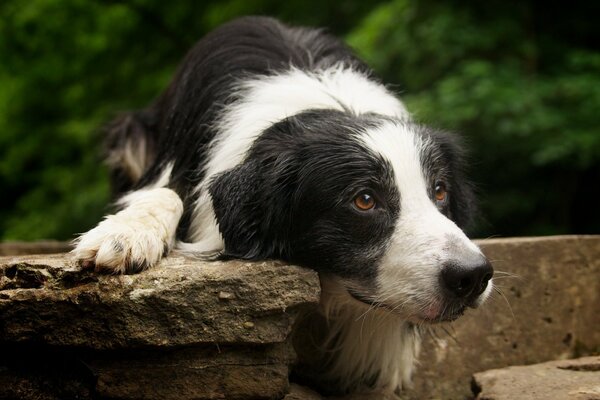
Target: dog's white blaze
423	236
268	100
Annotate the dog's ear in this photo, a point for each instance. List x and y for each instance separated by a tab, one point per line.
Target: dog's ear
251	204
463	203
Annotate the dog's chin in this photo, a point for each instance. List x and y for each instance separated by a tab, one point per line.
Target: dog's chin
436	312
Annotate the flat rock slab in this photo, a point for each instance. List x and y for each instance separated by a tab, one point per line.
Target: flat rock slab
48	299
31	372
561	380
185	329
547	307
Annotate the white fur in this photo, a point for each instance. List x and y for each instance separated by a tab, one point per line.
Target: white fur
364	342
139	234
266	101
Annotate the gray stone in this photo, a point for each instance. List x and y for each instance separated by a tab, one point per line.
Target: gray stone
177	303
182	330
199	373
191	329
557	380
549	309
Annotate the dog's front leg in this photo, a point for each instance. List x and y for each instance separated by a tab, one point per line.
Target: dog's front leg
136	237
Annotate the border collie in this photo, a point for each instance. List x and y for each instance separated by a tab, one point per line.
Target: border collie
277	142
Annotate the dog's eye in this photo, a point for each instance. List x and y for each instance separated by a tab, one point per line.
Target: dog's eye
364	202
440	193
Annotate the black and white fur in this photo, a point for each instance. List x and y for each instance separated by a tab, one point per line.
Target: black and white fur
257	150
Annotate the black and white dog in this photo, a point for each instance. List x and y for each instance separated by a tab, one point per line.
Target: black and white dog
277	142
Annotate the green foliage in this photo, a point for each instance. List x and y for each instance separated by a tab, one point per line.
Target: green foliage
520	82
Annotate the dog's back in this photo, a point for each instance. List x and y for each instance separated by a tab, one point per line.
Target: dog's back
182	120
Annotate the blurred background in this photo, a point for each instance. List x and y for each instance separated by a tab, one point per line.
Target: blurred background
520	82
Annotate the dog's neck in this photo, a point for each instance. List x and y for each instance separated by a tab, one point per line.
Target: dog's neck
353	343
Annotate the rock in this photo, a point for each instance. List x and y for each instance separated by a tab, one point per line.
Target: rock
200	373
549	309
175	304
208	330
298	392
182	330
205	372
556	380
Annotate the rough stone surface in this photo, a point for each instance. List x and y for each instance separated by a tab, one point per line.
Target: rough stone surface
188	329
549	309
199	373
205	372
174	304
183	330
557	380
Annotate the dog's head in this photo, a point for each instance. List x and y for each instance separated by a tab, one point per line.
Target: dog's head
375	202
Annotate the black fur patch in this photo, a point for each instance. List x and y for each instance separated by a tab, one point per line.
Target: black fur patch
444	159
292	198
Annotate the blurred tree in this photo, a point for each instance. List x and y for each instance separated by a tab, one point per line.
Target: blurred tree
68	66
520	82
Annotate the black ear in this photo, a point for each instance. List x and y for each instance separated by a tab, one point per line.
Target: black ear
251	204
462	207
463	203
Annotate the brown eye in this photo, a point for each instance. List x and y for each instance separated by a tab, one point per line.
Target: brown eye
364	202
440	192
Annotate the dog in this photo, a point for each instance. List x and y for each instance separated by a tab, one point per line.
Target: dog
277	142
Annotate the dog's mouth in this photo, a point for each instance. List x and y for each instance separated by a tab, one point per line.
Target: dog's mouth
368	302
449	314
436	312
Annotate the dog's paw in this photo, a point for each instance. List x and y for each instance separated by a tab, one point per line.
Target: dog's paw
117	247
136	237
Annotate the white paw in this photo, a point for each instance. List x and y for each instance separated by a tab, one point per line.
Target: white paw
135	238
119	248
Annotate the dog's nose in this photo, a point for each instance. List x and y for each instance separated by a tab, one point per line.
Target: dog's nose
467	280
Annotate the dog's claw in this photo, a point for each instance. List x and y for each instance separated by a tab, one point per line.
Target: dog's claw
87	264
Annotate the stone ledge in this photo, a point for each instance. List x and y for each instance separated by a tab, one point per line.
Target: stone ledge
183	330
181	302
189	329
556	380
549	309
